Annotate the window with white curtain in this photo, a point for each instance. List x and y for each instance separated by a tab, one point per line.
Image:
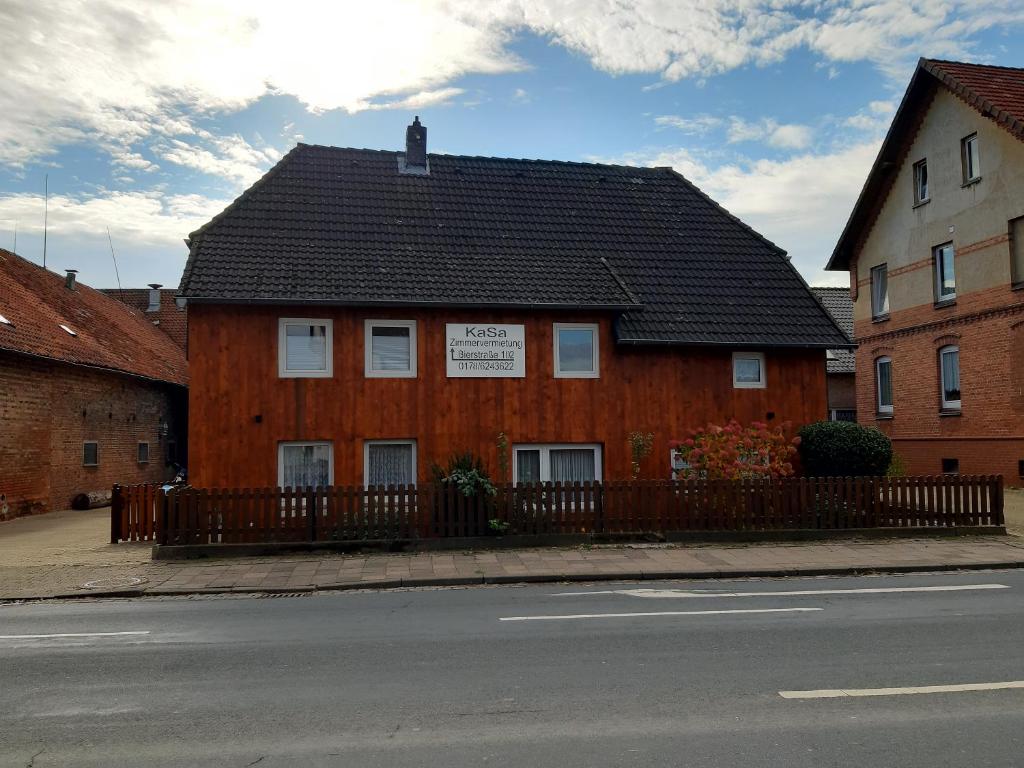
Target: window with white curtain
945	274
949	367
883	384
389	462
969	158
304	348
564	463
390	348
305	465
880	291
748	370
921	181
576	350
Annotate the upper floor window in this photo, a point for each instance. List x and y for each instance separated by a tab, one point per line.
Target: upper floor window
969	158
142	454
90	453
921	181
305	465
576	351
390	348
1016	227
883	384
949	369
304	348
945	275
748	370
880	291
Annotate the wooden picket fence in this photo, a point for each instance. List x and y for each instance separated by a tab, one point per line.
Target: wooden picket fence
401	513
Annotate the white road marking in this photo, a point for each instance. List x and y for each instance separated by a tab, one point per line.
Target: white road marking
789	593
655	613
74	634
835	693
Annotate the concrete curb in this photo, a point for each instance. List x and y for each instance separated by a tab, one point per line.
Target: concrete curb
531	578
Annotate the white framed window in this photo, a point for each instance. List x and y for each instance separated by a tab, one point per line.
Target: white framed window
879	291
390	349
142	454
920	182
969	158
949	377
883	384
90	453
556	462
748	370
304	348
945	273
576	351
305	464
389	462
842	414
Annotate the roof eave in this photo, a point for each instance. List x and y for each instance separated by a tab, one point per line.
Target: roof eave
741	344
282	301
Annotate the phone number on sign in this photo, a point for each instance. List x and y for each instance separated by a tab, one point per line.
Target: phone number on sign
486	365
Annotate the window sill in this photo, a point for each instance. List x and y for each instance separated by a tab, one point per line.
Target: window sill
880	318
919	203
883	416
945	303
970	182
1017	287
949	412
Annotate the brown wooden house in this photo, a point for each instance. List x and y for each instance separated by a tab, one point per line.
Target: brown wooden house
358	315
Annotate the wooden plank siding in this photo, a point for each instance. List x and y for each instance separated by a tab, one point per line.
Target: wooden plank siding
239	409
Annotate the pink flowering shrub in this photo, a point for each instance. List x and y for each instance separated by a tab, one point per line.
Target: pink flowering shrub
735	452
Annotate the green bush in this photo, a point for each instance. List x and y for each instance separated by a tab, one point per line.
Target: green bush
467	473
843	449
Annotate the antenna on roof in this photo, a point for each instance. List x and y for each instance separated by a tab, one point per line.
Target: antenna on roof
116	273
46	212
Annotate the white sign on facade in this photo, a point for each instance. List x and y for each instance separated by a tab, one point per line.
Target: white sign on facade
479	350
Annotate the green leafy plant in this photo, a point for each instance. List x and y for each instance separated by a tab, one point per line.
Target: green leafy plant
640	446
503	456
844	449
499	527
897	466
735	451
467	473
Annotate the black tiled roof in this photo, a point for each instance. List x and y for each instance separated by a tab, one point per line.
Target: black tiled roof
344	226
839	304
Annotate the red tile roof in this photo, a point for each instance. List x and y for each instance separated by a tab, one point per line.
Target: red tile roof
108	334
169	319
996	92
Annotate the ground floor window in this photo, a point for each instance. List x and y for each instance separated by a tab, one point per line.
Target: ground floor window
143	453
90	453
305	465
565	463
389	462
842	414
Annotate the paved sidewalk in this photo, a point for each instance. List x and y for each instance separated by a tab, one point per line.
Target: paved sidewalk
626	562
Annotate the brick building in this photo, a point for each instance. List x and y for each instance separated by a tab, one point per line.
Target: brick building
935	251
158	306
840	364
91	393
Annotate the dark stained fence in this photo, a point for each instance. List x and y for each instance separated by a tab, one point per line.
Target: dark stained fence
401	513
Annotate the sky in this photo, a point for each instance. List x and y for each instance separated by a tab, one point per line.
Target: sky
146	119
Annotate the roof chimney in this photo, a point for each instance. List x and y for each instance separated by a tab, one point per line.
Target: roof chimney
415	160
154	297
69	281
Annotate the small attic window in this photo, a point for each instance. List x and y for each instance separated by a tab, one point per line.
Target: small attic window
68	330
5	321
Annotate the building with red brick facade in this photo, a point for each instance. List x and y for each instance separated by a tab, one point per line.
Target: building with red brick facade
157	305
935	251
91	393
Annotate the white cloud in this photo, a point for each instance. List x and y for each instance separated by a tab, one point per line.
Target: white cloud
789	136
521	96
228	157
696	126
122	71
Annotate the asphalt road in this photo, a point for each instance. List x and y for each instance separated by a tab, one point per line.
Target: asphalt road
468	677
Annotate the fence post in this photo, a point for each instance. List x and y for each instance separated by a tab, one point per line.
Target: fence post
997	505
116	502
311	511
